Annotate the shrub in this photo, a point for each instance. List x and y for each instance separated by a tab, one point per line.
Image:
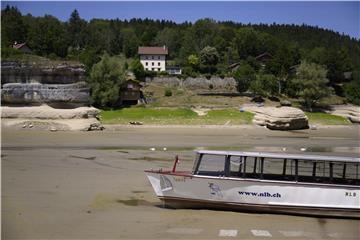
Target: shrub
168	92
352	92
264	85
138	69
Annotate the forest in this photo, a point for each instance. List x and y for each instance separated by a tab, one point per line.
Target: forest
205	47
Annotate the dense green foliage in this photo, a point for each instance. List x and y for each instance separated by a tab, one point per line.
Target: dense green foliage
138	69
105	80
205	47
352	89
311	83
265	85
244	75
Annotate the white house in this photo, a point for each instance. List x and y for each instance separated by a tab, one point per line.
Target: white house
153	58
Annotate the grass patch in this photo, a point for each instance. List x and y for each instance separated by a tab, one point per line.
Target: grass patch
175	116
326	119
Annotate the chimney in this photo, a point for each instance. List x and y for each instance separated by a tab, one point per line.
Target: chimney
164	47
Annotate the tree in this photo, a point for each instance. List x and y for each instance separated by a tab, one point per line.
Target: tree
138	69
209	56
105	80
193	61
264	85
352	89
76	27
247	42
130	42
47	35
311	83
244	75
12	27
171	38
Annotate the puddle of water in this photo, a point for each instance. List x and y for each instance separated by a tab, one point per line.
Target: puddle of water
151	159
135	202
138	191
85	158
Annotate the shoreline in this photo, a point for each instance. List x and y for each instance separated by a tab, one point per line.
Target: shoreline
82	124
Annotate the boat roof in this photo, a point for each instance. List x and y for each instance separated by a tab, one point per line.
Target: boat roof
283	156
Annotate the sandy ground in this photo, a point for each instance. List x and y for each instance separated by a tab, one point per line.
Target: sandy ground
91	185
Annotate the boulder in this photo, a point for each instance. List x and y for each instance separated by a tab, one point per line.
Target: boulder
283	118
350	112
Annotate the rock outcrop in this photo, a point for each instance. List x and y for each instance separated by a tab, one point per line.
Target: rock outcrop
30	93
46	72
350	112
45	117
282	118
43	81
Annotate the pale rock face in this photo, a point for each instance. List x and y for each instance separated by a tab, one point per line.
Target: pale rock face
351	112
37	83
283	118
29	93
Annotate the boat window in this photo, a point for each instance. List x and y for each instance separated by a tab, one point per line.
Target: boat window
277	169
252	167
212	165
236	166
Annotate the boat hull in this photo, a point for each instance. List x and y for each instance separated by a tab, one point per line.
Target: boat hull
183	190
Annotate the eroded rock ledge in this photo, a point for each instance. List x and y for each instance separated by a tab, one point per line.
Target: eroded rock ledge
280	118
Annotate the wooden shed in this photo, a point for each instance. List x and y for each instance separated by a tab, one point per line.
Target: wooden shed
130	92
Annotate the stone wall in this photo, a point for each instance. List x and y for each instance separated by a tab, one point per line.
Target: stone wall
199	83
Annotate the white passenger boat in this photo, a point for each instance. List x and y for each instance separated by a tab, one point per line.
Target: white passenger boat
264	182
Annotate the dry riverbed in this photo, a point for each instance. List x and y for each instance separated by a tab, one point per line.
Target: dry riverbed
81	185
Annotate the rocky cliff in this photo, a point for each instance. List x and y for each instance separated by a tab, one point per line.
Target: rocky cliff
43	82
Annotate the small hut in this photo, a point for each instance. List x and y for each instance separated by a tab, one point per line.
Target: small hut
130	91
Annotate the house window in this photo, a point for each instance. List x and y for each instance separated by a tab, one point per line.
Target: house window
152	57
146	69
158	63
146	63
152	69
159	57
159	69
152	64
146	57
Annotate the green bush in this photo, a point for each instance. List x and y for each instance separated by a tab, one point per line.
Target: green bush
168	92
8	52
352	89
138	69
352	92
265	85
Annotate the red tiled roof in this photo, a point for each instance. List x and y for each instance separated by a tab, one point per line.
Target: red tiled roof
19	45
153	50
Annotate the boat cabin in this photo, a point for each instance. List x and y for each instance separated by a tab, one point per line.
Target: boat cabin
278	167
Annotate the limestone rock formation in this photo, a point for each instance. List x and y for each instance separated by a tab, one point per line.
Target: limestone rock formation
351	112
283	118
30	93
44	72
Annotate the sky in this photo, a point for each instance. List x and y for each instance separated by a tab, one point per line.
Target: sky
339	16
